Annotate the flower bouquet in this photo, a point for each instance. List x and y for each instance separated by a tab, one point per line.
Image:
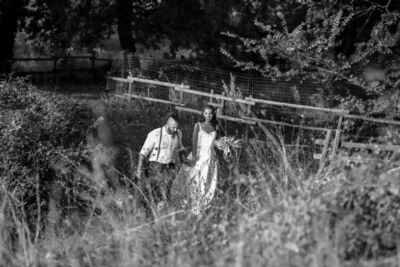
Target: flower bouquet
227	143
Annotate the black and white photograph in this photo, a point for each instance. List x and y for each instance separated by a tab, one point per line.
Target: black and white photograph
200	133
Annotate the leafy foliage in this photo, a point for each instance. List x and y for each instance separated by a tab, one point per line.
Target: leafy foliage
324	45
274	215
63	25
363	205
195	25
38	134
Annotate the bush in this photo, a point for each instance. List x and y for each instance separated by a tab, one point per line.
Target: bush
363	205
39	132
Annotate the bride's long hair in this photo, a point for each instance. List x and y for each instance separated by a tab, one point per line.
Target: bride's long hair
214	117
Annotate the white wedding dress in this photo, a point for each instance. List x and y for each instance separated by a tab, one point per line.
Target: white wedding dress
194	187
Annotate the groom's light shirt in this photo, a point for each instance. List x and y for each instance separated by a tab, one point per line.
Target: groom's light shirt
162	150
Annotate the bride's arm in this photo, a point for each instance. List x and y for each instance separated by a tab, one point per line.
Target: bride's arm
216	141
194	140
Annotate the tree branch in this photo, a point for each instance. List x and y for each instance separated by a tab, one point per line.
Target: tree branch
387	6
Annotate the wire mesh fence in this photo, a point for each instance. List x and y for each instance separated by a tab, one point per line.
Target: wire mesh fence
204	78
237	84
292	119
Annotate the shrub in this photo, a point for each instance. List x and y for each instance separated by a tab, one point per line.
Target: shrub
363	205
39	132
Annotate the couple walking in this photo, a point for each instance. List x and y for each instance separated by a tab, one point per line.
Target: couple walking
193	186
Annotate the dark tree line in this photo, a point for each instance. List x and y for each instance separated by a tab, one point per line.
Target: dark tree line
195	24
11	11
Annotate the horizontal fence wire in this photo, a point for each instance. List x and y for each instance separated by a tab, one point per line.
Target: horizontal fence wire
220	81
203	78
365	131
293	124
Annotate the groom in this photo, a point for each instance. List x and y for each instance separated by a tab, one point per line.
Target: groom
162	147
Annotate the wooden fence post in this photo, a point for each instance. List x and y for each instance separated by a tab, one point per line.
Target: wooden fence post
220	109
336	141
130	90
246	130
107	84
181	97
180	100
324	153
130	87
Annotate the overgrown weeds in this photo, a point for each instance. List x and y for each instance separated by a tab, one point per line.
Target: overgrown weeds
271	213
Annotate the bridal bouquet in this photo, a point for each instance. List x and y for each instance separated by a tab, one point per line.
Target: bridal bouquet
228	141
225	144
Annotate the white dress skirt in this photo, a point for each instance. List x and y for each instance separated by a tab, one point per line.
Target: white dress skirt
194	187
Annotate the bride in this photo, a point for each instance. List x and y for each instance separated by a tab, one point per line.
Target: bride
196	182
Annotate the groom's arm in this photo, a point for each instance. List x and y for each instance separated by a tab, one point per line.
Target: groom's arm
181	148
144	153
139	170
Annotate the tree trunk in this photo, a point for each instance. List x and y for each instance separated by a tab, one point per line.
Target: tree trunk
125	32
125	29
10	14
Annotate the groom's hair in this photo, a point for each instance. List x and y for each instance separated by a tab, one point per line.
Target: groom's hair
174	116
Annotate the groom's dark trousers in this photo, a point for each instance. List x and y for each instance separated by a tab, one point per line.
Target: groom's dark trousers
156	183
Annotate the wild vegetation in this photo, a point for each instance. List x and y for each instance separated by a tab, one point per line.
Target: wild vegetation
351	47
68	195
68	198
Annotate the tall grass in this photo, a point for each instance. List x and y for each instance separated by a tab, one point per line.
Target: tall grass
270	214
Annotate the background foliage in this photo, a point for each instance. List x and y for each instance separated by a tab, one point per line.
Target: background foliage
336	42
38	133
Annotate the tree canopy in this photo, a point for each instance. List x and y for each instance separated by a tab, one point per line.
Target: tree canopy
279	37
333	42
63	24
195	24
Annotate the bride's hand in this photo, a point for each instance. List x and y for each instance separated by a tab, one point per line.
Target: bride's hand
186	161
192	162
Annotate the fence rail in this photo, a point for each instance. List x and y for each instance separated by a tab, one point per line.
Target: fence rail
296	106
55	62
331	144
